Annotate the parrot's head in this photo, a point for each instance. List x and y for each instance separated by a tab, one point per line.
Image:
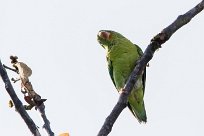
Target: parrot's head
108	38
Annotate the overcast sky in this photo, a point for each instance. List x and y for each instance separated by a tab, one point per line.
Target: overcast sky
57	39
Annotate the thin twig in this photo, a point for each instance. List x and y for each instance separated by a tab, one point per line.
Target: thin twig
18	104
46	125
12	69
40	108
156	43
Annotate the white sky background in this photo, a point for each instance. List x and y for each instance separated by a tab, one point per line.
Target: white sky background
57	39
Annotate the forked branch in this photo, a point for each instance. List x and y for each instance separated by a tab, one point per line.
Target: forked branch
18	104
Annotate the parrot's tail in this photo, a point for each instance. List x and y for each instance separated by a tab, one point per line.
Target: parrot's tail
138	110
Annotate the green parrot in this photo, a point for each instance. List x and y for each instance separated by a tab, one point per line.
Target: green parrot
122	56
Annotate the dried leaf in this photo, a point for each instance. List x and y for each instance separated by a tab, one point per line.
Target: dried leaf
10	103
24	70
64	134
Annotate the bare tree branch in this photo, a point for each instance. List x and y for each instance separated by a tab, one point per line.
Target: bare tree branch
46	126
40	108
155	44
12	69
18	104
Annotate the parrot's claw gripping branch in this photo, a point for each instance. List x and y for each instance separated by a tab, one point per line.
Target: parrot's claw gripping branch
155	44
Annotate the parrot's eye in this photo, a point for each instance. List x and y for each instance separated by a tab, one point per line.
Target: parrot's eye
105	35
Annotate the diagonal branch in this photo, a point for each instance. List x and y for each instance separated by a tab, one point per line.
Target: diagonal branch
46	126
41	108
155	44
18	104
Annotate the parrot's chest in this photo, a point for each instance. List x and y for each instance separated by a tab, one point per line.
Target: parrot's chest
121	72
122	62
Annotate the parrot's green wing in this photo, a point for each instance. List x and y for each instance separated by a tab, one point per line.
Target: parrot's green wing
140	52
144	79
110	69
143	82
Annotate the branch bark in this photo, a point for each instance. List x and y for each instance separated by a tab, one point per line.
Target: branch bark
46	125
155	44
14	70
18	104
40	108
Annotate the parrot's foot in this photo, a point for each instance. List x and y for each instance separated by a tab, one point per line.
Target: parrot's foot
122	91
